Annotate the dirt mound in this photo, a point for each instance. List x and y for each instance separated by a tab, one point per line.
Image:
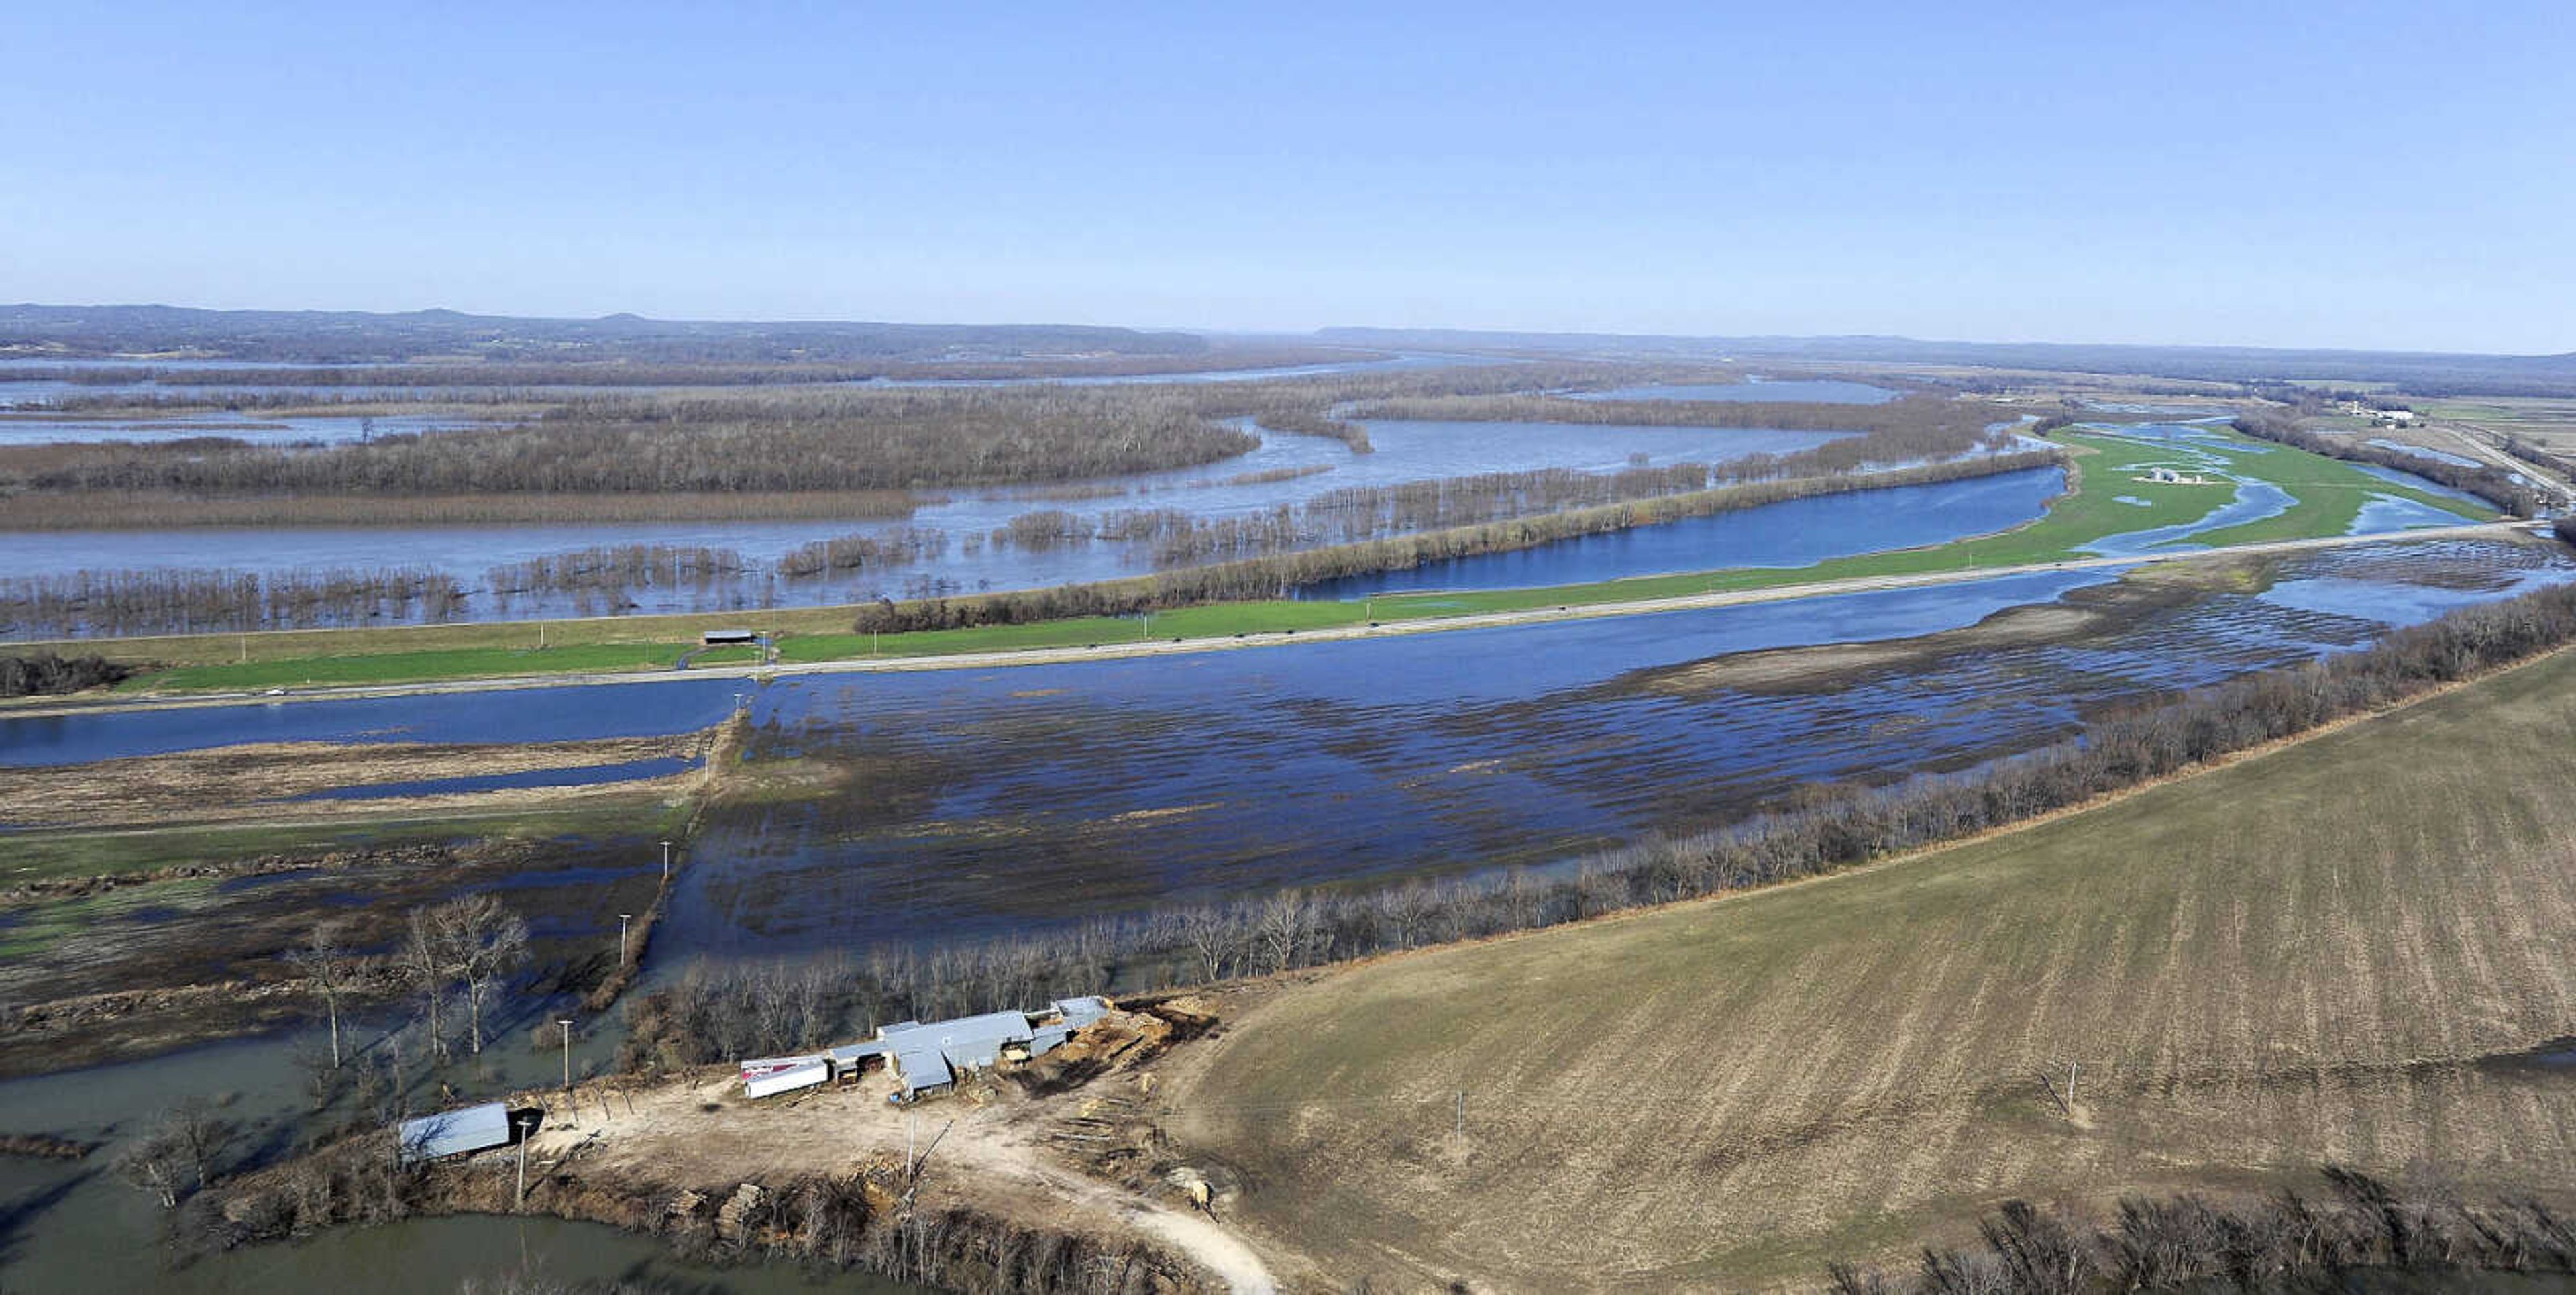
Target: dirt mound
1129	1036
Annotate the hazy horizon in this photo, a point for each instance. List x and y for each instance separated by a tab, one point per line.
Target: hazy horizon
2382	178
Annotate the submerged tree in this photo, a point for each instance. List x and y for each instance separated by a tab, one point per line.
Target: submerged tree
177	1156
485	943
331	969
471	943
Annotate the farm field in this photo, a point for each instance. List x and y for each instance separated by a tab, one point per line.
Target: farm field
2549	423
2345	951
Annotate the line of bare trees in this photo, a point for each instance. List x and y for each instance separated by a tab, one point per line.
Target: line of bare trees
1821	829
159	601
792	440
2289	1242
167	509
803	439
1268	552
2486	481
1275	575
841	1220
2539	456
903	544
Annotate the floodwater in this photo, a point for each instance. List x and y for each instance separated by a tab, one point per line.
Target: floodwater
2426	452
72	1226
560	714
1406	452
240	379
2199	450
585	775
1794	533
1830	391
980	803
257	429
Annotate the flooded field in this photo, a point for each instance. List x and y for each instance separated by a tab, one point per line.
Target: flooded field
22	388
568	714
256	429
1284	472
915	808
970	804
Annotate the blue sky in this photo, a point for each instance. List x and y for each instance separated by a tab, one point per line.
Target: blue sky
2352	174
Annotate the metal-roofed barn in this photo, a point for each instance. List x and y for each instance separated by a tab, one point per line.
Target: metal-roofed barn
923	1057
449	1133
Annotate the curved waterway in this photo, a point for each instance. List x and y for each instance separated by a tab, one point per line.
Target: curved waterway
1283	472
1793	533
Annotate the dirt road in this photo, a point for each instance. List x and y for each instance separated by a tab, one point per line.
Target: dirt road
988	1152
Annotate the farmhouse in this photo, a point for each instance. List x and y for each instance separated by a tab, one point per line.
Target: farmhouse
2169	477
927	1057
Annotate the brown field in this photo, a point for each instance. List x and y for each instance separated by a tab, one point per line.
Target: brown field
261	782
2337	952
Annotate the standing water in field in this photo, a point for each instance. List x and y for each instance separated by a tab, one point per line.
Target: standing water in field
965	542
974	803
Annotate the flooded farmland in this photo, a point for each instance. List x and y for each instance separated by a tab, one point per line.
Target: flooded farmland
901	808
976	803
947	545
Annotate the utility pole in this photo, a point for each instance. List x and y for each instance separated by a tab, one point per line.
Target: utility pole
520	1202
2070	1083
1459	1127
623	952
567	1029
666	862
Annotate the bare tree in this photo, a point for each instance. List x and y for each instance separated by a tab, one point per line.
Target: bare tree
1210	934
177	1156
483	942
425	964
330	969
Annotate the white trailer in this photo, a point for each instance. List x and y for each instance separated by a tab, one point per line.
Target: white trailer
787	1080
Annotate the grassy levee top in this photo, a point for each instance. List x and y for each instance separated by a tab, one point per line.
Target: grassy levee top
2109	496
2337	952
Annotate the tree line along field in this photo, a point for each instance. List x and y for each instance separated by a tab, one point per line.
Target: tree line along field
778	443
1213	602
2342	951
